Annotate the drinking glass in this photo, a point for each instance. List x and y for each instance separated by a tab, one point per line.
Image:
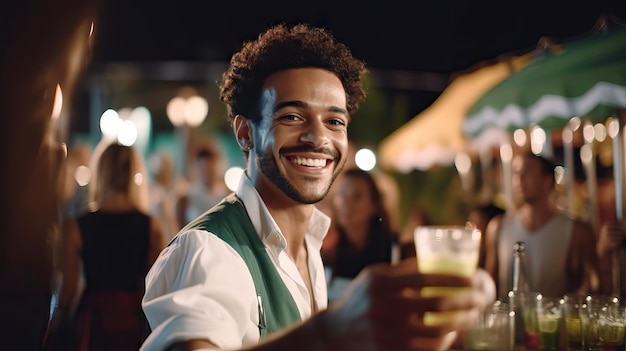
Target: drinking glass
448	250
573	325
594	309
493	331
528	309
549	316
611	327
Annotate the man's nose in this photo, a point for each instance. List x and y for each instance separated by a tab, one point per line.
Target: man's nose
315	133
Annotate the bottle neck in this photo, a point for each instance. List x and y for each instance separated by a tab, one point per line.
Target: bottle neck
519	272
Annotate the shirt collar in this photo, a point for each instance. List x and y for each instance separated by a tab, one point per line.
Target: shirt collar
266	227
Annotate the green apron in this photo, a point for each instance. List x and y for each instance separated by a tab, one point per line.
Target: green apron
231	223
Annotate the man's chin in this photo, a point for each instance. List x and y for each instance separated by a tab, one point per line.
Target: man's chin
311	201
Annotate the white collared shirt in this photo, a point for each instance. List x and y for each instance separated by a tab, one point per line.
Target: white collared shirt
200	288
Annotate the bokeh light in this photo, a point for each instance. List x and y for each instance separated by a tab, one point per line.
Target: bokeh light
365	159
138	178
463	162
506	152
232	177
588	133
519	137
109	123
187	111
82	175
58	103
127	133
599	131
612	127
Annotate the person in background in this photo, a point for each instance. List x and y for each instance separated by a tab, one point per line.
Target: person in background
560	251
479	216
386	185
207	186
418	216
248	274
611	236
364	231
165	190
115	244
611	258
326	204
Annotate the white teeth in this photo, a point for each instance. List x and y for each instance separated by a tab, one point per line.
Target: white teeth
309	162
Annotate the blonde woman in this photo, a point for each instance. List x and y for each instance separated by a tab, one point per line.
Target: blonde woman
112	248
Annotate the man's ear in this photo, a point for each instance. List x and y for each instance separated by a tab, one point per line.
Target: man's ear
242	129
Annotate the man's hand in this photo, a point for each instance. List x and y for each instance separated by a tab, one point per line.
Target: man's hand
383	309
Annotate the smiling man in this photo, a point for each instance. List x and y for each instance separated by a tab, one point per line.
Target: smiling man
247	274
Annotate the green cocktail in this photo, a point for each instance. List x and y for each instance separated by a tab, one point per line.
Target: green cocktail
447	250
549	333
459	265
611	335
573	331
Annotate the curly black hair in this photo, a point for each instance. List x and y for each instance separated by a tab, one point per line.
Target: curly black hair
284	47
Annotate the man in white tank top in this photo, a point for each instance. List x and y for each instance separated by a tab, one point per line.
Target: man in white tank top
560	251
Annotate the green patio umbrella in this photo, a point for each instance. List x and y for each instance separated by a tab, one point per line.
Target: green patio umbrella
585	78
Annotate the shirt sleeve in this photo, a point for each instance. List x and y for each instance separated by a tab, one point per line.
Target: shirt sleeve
200	288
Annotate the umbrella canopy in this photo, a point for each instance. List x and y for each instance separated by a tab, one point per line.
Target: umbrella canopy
435	135
585	78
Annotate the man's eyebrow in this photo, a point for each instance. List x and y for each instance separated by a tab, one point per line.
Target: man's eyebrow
298	103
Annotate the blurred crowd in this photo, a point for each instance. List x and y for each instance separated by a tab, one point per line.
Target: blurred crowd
112	194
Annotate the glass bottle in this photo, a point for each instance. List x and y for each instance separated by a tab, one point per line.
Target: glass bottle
519	291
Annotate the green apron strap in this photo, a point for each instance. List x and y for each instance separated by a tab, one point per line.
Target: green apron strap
231	223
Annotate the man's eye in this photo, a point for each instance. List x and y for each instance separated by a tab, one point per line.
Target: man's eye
337	122
289	117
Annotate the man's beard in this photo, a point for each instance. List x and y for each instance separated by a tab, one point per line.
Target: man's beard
269	167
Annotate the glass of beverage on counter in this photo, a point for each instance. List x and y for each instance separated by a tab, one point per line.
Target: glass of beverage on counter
448	250
493	331
529	314
593	314
573	326
549	318
611	329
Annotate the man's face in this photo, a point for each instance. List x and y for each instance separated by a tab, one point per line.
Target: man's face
301	141
530	184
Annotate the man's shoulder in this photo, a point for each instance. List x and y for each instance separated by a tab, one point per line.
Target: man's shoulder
227	210
582	230
577	222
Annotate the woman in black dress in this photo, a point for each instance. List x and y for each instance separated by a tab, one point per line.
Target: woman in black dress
111	248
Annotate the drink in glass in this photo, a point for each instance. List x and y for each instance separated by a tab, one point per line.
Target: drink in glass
549	314
573	329
611	327
594	310
448	250
527	304
573	325
493	331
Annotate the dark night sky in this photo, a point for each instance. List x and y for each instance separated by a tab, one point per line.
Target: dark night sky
420	43
436	36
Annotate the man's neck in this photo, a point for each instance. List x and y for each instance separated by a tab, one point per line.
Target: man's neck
535	216
293	223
